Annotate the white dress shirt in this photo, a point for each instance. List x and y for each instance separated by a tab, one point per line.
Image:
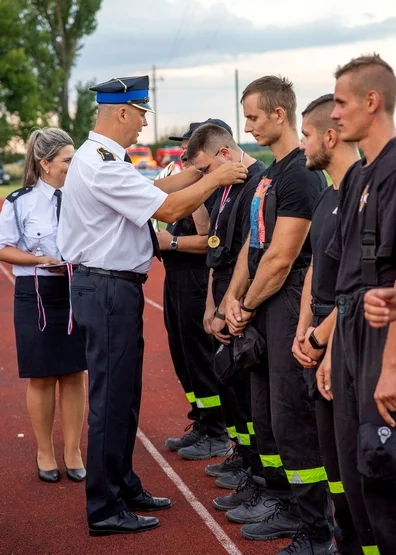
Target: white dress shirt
105	208
38	224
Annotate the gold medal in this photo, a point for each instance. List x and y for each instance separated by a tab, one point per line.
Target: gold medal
213	241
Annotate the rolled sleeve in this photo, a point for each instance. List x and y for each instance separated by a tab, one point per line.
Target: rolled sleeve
121	187
9	235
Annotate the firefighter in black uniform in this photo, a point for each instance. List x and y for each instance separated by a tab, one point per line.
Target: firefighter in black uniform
184	255
275	257
208	148
324	151
363	383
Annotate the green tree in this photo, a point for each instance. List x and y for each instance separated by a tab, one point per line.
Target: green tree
59	29
85	113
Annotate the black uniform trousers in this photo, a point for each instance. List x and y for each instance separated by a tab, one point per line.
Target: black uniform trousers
282	402
356	365
190	346
347	539
109	314
235	396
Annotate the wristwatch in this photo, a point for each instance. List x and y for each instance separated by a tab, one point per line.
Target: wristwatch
314	342
173	244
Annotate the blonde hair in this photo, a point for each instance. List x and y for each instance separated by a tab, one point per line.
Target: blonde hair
43	144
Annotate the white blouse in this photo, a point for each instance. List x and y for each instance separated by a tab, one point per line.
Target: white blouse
38	225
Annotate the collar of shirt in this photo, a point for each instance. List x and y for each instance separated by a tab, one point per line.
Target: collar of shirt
114	147
47	190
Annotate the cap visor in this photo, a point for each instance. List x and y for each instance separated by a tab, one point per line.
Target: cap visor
146	107
176	139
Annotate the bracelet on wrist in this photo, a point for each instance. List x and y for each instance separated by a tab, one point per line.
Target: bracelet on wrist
219	315
245	308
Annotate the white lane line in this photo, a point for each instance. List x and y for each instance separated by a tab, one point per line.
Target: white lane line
154	304
7	274
210	522
11	278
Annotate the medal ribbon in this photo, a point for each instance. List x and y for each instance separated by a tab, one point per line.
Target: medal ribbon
224	198
42	319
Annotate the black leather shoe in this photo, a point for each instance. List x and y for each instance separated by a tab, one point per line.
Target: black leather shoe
49	475
123	523
146	502
76	474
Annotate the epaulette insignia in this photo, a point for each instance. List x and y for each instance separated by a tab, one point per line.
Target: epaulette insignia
106	154
18	193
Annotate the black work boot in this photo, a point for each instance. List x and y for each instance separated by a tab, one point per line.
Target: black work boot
304	545
243	492
233	462
231	479
194	433
280	523
206	448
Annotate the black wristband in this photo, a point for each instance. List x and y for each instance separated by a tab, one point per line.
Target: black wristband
245	308
219	315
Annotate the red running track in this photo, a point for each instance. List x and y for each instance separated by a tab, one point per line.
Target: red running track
49	519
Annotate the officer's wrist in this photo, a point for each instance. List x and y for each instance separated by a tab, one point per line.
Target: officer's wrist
320	337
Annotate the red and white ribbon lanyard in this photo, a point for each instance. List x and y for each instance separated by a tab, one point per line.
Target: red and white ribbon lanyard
42	319
224	198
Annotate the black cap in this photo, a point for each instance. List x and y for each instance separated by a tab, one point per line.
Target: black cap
124	90
193	126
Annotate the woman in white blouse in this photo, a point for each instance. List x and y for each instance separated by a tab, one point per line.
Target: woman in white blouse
28	230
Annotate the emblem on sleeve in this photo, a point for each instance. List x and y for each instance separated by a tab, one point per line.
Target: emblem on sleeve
106	154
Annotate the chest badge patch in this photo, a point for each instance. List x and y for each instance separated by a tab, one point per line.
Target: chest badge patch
364	198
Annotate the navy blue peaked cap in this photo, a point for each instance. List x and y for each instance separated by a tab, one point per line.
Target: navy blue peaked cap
124	90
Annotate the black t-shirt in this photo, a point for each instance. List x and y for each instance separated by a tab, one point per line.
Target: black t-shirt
345	245
182	228
297	189
325	268
218	258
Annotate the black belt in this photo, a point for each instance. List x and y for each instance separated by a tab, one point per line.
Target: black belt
130	276
322	309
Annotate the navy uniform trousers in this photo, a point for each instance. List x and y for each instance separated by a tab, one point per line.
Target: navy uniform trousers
109	312
284	414
190	346
356	366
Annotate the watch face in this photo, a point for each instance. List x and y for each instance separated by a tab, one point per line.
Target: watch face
173	244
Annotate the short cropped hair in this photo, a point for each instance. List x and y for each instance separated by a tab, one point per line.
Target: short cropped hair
319	112
371	72
274	92
209	138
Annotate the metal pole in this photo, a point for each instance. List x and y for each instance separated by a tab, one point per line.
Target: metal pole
237	105
154	90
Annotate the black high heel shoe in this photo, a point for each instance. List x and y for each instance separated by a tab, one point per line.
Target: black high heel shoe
48	475
75	474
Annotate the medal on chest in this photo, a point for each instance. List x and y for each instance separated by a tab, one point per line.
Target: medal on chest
213	241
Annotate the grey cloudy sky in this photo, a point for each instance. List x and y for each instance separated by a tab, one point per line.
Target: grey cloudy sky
197	44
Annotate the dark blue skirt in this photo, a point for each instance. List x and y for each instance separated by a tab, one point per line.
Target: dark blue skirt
51	352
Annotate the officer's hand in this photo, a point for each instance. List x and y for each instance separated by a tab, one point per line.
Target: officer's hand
298	354
385	393
208	318
51	260
230	173
218	328
380	307
233	314
164	239
323	377
313	354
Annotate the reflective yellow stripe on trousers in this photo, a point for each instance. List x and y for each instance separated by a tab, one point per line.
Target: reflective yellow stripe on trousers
336	487
244	439
371	550
306	476
208	402
271	460
191	397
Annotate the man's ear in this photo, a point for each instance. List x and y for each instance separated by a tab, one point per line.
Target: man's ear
331	138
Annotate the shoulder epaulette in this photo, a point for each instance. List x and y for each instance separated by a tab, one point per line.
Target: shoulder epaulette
106	154
18	193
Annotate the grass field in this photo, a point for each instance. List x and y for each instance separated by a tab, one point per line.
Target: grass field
5	190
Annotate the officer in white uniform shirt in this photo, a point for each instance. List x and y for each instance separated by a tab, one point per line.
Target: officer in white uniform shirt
105	229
